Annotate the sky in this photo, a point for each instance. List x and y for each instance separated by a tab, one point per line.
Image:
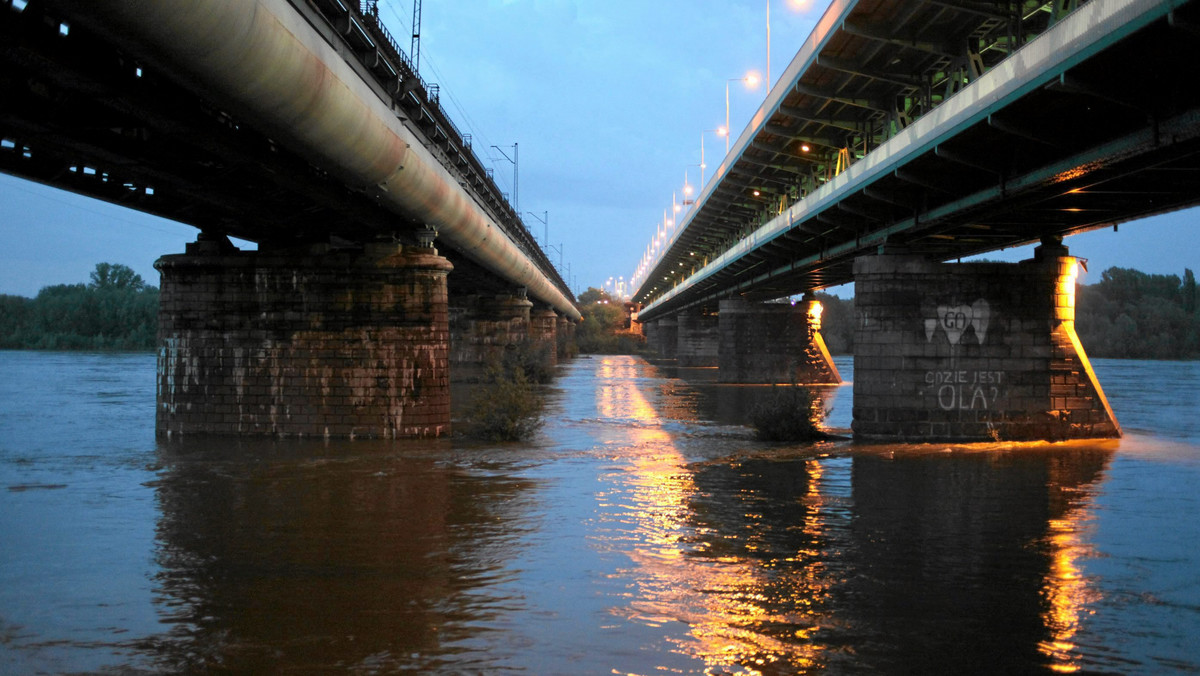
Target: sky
607	100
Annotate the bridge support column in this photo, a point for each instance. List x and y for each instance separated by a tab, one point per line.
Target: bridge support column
307	343
565	333
481	327
773	343
543	332
972	352
699	338
663	336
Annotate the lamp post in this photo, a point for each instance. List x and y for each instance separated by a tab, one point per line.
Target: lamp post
689	192
719	131
797	5
513	159
750	79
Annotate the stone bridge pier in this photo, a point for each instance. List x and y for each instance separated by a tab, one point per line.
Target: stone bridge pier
773	343
972	351
543	332
698	338
481	327
308	342
662	335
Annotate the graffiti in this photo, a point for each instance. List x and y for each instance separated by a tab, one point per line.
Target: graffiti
966	390
954	320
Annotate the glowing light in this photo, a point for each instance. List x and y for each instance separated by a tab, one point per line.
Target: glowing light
724	607
751	79
804	147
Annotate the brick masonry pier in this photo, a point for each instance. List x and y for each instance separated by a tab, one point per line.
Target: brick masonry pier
481	327
698	339
662	335
773	343
543	331
304	343
972	351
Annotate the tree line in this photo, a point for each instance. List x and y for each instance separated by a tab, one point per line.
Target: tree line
116	310
1128	314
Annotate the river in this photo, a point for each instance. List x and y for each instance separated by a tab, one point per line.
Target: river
642	532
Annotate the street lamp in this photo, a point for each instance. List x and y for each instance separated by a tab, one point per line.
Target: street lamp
719	131
751	79
689	198
798	5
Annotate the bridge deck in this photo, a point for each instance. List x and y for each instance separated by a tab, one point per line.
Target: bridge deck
1092	123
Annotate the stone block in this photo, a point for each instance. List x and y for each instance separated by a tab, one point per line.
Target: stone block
974	350
259	344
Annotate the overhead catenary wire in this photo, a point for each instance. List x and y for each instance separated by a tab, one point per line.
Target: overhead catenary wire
462	117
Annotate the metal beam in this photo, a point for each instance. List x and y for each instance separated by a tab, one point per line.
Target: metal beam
797	114
847	66
817	92
883	33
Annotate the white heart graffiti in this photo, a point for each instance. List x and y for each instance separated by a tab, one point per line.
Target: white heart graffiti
954	320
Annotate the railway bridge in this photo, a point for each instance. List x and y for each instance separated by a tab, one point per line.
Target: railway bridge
386	255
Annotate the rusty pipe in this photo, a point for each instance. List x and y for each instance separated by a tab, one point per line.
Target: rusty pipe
263	61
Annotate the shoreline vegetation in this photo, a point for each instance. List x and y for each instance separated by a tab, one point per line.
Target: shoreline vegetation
1128	314
115	311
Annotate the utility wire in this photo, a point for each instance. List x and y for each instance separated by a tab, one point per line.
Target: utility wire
462	118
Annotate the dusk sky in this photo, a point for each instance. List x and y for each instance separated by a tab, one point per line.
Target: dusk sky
608	102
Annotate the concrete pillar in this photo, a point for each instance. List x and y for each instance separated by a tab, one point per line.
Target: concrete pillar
773	343
543	331
698	340
481	327
972	352
308	343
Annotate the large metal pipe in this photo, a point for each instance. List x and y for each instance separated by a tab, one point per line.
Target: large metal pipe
263	61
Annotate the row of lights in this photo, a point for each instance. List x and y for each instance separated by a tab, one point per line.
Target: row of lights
665	229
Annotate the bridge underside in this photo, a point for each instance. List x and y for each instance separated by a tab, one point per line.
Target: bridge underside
1110	137
339	325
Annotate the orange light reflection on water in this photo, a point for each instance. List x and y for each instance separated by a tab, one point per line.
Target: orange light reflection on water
725	601
1067	593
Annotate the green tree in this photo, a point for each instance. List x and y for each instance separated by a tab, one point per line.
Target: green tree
1132	314
1189	291
116	276
837	323
593	296
604	329
117	310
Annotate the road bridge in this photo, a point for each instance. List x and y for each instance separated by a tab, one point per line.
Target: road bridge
301	126
904	134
